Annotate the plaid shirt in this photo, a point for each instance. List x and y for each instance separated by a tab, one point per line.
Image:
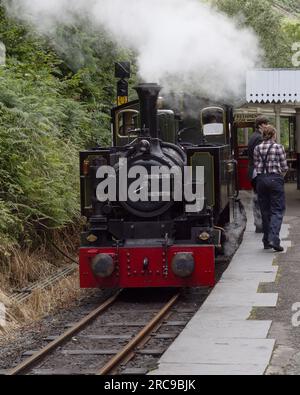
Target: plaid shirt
276	161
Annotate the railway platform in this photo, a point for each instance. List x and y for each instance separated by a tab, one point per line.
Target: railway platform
248	324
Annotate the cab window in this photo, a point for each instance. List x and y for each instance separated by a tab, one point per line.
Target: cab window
127	122
213	119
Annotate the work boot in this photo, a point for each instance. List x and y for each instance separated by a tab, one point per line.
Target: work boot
267	246
277	248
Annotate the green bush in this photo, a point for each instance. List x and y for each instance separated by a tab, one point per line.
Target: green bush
38	155
267	23
52	104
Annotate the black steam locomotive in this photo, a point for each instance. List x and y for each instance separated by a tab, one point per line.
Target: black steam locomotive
147	231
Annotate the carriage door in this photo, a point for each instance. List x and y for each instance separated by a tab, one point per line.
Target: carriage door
241	134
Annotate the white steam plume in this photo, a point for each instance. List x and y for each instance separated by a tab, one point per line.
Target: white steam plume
182	44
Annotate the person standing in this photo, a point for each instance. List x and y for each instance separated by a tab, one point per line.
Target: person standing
271	166
255	140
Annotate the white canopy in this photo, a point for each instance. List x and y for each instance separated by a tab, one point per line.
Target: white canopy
273	86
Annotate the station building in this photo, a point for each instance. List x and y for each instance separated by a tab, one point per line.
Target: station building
276	94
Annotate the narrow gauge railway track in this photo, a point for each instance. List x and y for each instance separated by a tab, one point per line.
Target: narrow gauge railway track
108	340
118	337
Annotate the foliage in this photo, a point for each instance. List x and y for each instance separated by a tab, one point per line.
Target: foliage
289	5
267	23
292	30
55	99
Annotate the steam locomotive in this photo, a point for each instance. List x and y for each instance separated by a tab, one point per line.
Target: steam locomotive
157	241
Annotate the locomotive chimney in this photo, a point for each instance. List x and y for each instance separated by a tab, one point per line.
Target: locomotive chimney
148	95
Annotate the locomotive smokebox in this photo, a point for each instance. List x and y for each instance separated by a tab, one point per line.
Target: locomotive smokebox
148	95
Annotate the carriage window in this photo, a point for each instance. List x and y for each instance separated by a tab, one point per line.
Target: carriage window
127	122
213	121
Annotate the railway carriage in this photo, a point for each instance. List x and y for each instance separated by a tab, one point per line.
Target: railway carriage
157	242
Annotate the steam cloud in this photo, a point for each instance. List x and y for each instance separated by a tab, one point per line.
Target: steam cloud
185	45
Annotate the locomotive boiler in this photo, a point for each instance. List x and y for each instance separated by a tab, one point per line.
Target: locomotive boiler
143	229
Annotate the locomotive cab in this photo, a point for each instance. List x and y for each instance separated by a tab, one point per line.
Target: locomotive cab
126	120
213	127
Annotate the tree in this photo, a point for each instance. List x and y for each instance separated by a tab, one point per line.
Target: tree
292	30
266	22
55	99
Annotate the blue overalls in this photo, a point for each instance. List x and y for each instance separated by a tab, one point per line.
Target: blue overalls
271	198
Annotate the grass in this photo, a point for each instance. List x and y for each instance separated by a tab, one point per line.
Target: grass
41	303
23	267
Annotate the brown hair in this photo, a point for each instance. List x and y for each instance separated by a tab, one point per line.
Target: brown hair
269	132
260	120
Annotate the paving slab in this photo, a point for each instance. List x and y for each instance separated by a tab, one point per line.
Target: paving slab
210	329
253	268
245	299
220	351
232	276
224	313
209	369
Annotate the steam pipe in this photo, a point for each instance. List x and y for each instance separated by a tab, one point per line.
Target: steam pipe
148	95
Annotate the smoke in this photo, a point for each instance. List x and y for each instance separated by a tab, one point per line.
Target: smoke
185	45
